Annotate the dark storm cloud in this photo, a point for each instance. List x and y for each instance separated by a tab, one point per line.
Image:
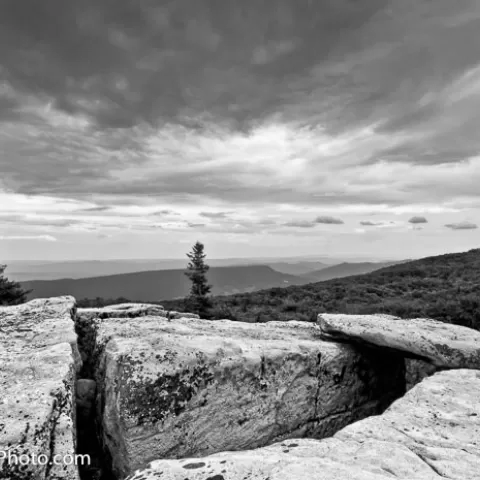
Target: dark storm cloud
124	62
415	220
88	85
462	226
329	220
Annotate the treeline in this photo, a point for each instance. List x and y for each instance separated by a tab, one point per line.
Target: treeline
445	287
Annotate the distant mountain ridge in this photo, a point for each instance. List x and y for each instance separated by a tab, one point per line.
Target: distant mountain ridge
346	269
169	284
22	271
443	287
152	285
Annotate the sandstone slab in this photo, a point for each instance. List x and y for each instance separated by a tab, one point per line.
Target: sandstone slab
38	362
442	344
122	310
432	433
174	315
190	387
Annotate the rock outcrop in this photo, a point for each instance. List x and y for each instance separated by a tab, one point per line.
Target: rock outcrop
432	433
177	391
38	362
124	310
174	315
192	387
442	344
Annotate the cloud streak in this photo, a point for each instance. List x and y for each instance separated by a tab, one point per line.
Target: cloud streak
47	238
462	226
416	220
329	220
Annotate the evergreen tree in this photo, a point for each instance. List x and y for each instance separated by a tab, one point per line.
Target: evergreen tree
198	300
11	293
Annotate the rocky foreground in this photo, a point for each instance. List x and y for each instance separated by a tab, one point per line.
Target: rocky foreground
38	363
432	433
155	395
190	387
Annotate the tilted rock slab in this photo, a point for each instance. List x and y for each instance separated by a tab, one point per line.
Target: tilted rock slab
121	310
174	315
442	344
432	433
192	387
38	361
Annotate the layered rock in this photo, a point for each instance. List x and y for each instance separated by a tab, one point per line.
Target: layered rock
432	433
174	315
442	344
191	387
122	310
38	362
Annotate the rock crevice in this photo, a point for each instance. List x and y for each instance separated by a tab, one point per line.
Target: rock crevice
193	387
126	385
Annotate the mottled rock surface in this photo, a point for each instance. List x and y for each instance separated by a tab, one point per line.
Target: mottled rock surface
190	387
174	315
38	361
121	310
442	344
432	433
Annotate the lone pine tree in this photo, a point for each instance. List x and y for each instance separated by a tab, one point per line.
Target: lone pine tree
198	300
11	293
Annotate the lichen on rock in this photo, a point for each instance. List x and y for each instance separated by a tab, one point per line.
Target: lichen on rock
38	363
169	389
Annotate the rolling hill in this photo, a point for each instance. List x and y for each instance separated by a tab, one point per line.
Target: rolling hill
345	269
26	270
444	287
153	285
298	268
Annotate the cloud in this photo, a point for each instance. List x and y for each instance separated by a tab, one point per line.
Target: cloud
301	224
381	224
270	112
369	223
214	214
416	220
161	213
462	226
47	238
329	220
95	209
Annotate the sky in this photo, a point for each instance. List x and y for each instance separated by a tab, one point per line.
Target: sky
133	128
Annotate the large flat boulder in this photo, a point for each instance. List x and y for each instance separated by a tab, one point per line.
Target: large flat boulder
442	344
190	387
38	362
432	433
121	310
